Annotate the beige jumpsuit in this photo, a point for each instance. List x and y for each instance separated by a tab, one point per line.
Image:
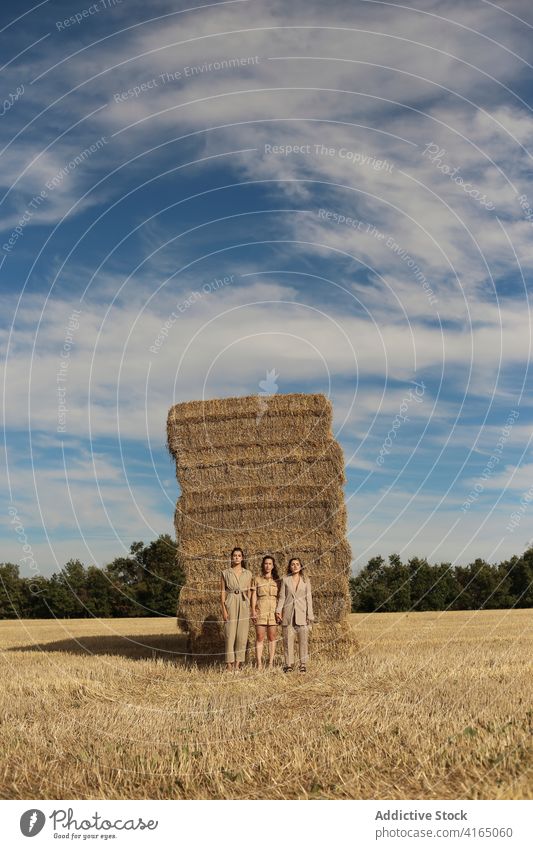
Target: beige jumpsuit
238	606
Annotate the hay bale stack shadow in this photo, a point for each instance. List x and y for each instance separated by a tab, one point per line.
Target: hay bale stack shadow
133	647
265	474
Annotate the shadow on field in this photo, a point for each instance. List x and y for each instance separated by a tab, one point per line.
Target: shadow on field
171	648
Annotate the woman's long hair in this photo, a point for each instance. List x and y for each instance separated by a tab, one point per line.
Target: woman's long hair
301	572
243	561
275	574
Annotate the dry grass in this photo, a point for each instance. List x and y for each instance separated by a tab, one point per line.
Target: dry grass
435	706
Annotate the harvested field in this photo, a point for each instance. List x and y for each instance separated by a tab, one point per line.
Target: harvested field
434	706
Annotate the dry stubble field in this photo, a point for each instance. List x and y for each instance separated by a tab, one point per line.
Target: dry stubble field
435	705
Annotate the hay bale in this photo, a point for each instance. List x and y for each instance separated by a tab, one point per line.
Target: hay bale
333	639
247	431
231	460
265	474
277	468
239	521
249	421
294	542
250	406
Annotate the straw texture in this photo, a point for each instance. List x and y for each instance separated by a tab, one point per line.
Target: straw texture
265	474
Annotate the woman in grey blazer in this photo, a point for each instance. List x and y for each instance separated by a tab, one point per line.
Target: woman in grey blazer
294	611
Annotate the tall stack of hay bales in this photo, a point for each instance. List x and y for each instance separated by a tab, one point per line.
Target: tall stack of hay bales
265	474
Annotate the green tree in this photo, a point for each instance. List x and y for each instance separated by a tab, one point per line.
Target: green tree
447	587
99	592
125	571
36	594
521	579
481	586
398	584
68	591
148	582
368	588
11	592
422	580
124	574
162	578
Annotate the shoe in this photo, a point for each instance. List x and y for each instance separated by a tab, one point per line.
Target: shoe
287	668
303	667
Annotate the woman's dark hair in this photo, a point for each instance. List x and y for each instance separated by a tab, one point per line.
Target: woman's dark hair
243	562
301	566
275	574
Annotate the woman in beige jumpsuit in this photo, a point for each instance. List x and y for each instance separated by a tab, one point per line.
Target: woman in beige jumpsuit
235	589
265	590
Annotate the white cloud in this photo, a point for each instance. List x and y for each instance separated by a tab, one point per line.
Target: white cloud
453	86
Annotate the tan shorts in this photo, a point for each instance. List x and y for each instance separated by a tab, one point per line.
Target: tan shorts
266	619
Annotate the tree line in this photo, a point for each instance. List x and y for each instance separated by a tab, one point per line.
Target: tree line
418	585
148	582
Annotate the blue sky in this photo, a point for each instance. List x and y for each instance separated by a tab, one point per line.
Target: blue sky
346	187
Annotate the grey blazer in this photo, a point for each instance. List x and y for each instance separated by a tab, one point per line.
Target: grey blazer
299	603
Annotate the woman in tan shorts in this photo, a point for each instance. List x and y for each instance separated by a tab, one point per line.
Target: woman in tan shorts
265	590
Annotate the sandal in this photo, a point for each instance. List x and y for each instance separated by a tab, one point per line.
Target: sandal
303	667
287	669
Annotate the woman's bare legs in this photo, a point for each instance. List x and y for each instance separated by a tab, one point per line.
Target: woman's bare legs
272	633
260	637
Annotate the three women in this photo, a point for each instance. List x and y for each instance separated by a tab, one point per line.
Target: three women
268	600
